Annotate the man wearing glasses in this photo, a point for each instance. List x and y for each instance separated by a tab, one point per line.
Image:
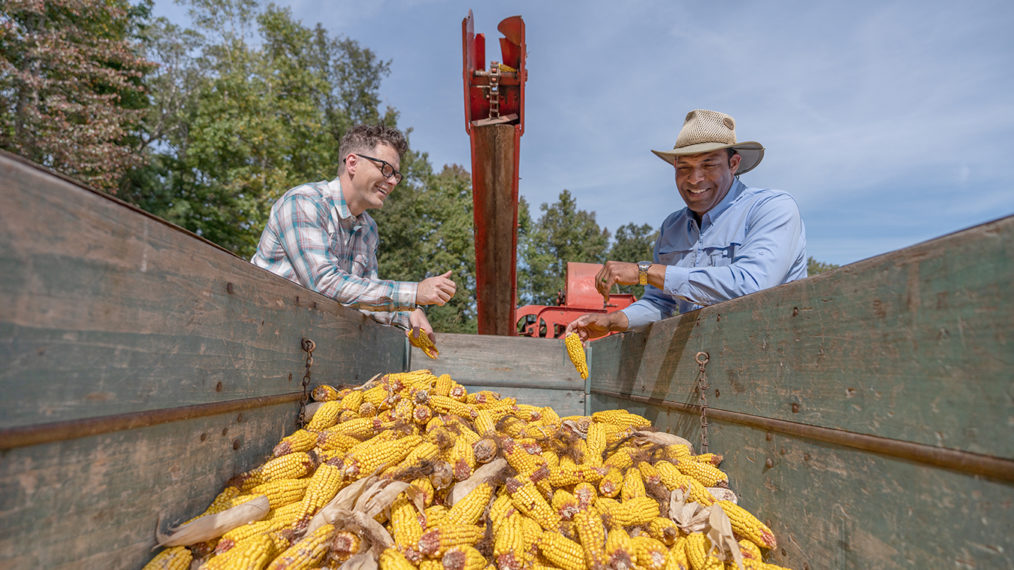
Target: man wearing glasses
320	236
729	241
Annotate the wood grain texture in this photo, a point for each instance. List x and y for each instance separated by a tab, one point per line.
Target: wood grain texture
502	361
913	345
107	310
94	502
836	507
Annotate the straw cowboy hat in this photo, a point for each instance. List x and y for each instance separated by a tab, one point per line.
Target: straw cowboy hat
705	131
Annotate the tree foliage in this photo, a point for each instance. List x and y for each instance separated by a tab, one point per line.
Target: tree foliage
814	267
71	86
562	233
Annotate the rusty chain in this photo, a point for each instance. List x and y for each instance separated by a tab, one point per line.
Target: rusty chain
308	347
702	387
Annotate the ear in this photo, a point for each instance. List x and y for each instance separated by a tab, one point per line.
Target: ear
351	161
734	162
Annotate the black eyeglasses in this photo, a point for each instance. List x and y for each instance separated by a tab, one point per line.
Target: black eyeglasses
386	168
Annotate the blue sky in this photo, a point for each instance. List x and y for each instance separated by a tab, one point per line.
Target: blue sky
891	123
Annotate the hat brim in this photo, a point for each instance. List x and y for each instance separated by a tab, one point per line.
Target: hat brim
751	152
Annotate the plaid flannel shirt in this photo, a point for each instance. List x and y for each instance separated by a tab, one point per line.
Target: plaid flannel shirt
312	239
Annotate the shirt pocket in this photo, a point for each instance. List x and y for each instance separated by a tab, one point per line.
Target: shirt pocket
721	245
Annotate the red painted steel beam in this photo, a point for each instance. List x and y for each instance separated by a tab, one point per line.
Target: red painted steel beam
494	121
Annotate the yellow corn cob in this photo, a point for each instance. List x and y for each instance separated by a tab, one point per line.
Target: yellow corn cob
324	393
437	539
611	484
706	473
344	545
633	485
425	489
484	422
403	411
712	458
500	509
561	551
463	558
334	441
648	552
326	415
585	494
221	502
359	428
619	549
596	441
621	418
529	501
250	554
569	473
299	440
564	503
173	558
291	466
377	396
620	459
469	509
443	386
485	450
367	410
425	451
431	565
749	549
462	458
482	397
277	519
307	552
422	414
664	530
386	453
281	492
508	542
448	405
575	350
529	413
353	401
323	486
549	415
592	536
435	514
406	522
673	478
519	458
639	510
748	526
677	557
392	559
676	452
698	549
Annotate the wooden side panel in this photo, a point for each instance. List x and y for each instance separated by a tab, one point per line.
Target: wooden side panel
914	345
94	502
907	354
107	311
536	371
835	507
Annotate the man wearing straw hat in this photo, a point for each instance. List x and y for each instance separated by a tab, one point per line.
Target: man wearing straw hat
729	241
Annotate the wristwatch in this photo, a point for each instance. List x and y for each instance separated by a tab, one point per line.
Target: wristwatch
642	272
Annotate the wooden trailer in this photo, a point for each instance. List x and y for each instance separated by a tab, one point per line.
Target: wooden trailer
865	414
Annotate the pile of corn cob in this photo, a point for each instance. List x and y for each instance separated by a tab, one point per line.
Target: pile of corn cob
412	471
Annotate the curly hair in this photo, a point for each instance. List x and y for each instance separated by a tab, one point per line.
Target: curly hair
364	138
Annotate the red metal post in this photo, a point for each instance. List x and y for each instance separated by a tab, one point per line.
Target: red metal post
494	121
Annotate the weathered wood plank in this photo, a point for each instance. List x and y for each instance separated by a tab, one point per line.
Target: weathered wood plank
502	361
837	507
107	310
94	502
913	345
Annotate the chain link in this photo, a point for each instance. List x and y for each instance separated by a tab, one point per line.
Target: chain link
308	347
702	388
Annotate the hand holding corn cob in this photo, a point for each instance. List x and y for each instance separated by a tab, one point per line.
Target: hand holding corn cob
418	338
575	350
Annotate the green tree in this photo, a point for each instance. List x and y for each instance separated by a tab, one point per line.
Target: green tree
814	267
244	107
427	229
562	233
71	86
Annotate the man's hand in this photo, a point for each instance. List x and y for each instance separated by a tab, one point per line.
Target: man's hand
594	325
612	273
417	318
435	290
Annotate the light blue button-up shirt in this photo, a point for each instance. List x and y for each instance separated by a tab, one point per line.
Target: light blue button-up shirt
753	239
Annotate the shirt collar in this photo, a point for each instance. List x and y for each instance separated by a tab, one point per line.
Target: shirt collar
734	191
334	188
